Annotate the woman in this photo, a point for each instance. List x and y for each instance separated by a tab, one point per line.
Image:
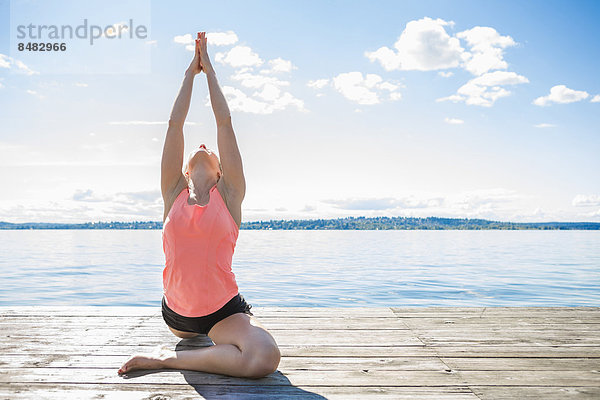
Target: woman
201	220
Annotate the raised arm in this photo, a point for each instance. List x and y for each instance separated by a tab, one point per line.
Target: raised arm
172	156
229	153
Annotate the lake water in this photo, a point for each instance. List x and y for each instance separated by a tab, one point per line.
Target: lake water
315	268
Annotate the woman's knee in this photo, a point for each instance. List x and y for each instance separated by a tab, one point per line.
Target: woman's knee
261	361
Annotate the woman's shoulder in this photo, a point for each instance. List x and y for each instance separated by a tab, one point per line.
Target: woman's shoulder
170	198
234	206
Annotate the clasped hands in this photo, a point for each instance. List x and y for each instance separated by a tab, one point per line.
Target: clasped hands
201	61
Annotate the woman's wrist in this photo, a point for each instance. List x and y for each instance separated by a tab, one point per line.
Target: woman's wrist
210	70
190	72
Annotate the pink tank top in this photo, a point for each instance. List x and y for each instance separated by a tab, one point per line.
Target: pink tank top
198	242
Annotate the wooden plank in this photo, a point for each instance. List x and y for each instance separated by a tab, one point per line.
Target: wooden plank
287	363
303	337
492	312
324	323
492	309
536	392
504	332
538	322
307	378
521	364
530	378
296	351
521	351
133	391
513	312
356	378
525	351
314	337
87	311
521	340
507	333
93	311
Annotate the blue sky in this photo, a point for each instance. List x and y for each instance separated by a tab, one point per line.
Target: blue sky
453	109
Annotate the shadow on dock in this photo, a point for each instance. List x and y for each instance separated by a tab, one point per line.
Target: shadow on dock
217	386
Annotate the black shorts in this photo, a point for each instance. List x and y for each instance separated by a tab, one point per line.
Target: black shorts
204	324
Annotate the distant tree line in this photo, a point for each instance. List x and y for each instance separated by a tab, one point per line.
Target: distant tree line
347	223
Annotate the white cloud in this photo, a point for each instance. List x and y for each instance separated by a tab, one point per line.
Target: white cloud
486	46
454	121
483	203
221	38
363	90
582	200
213	38
482	199
184	39
426	45
423	45
34	93
251	80
239	56
594	213
377	203
11	63
308	208
272	99
268	95
453	98
595	99
81	84
353	87
484	90
395	96
318	83
151	42
279	65
561	94
388	86
269	92
499	78
544	125
4	61
88	195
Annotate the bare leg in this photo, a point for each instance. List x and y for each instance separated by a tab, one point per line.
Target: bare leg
243	348
223	359
226	359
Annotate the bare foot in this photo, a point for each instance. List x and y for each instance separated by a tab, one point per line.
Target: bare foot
154	360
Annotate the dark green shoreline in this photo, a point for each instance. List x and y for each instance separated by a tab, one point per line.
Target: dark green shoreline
348	223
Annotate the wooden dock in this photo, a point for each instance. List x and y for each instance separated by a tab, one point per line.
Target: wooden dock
431	353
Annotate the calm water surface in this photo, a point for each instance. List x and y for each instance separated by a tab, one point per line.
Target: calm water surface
314	268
